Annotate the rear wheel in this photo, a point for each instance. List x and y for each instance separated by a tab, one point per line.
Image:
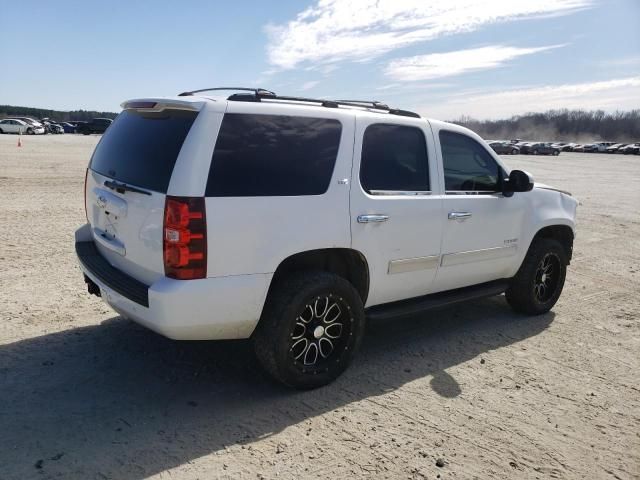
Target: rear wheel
311	326
535	152
556	152
538	284
1	132
514	151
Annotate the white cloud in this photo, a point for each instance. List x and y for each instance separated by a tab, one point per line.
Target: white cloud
437	65
630	61
335	30
309	85
618	94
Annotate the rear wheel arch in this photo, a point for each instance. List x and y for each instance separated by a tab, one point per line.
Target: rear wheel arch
344	262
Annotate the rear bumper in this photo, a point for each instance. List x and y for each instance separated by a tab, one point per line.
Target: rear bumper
208	309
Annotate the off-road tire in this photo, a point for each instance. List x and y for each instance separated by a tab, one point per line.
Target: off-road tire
521	294
286	303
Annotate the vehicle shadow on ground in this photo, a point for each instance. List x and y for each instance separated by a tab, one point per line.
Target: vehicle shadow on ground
117	401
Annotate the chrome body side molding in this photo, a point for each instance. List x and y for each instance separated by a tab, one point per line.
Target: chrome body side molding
459	258
413	264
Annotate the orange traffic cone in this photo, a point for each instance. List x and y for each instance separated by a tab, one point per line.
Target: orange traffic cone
19	140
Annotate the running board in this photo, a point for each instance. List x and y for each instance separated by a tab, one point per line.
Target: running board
412	306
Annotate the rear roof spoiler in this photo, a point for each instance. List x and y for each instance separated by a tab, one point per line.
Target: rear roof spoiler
153	105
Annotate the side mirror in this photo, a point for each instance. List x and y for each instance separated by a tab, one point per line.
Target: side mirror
518	181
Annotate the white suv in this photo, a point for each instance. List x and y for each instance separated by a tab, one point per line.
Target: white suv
289	221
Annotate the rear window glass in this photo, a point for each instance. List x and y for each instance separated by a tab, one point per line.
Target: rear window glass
141	148
273	155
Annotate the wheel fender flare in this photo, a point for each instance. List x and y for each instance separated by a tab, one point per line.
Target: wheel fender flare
536	230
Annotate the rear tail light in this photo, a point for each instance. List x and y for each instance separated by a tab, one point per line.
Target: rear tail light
185	238
86	174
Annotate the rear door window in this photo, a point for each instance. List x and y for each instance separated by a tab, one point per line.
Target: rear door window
141	148
273	155
394	158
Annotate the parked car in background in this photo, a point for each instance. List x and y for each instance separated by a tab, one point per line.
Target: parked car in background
68	127
55	128
96	125
568	147
14	125
579	147
51	126
631	148
77	124
615	147
38	126
540	148
598	147
504	148
525	147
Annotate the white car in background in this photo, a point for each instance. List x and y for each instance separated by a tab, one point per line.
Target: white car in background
35	123
13	125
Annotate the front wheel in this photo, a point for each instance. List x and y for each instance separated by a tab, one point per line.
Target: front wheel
29	131
535	152
514	152
311	326
538	284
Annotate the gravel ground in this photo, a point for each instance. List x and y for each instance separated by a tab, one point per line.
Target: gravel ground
474	391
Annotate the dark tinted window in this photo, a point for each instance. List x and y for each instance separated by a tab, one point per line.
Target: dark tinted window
394	158
142	148
468	166
273	155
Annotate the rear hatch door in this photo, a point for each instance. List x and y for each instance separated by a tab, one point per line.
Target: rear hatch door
127	182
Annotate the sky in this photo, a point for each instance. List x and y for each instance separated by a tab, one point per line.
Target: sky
444	59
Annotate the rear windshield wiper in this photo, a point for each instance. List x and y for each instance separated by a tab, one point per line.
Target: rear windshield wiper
123	187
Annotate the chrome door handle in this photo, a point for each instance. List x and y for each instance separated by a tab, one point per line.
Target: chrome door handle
459	215
372	218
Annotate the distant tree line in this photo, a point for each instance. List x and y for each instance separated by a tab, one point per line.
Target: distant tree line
561	125
60	116
554	125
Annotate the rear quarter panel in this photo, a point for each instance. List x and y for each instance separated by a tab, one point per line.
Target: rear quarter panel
250	235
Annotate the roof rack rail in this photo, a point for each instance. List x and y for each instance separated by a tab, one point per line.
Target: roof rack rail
323	102
336	103
259	94
373	103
